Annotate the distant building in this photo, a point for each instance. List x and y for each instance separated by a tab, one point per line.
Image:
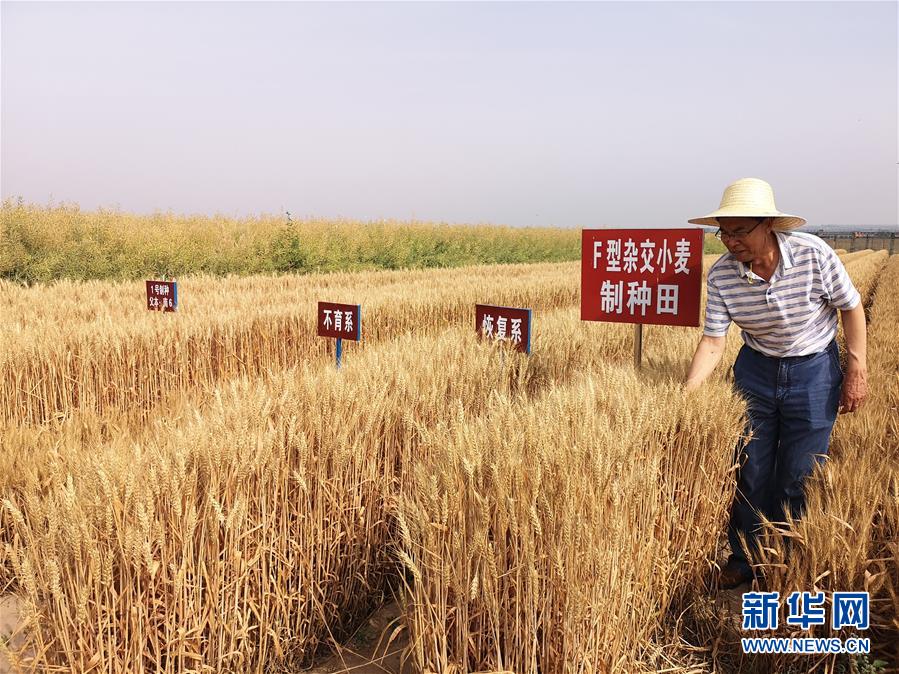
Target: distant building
881	237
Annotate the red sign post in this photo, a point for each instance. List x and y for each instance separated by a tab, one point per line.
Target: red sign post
341	321
162	295
504	324
641	276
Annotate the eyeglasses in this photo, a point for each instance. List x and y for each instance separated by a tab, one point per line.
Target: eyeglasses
741	234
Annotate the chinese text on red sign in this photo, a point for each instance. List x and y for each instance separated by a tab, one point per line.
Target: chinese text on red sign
504	324
342	321
162	295
641	275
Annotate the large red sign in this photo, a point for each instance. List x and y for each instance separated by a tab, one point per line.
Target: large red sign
641	275
343	321
504	324
162	295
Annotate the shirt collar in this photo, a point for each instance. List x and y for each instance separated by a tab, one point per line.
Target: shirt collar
786	255
786	250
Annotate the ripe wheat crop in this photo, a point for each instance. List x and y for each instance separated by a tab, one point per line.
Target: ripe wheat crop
864	272
527	557
857	255
93	345
250	520
232	500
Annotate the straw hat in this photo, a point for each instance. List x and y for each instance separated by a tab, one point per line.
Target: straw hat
750	198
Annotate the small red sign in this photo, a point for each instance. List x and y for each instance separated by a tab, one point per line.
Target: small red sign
162	295
651	276
343	321
504	324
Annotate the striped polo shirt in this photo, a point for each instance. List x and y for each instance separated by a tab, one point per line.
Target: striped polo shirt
794	314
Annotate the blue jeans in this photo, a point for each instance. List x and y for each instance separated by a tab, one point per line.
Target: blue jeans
792	408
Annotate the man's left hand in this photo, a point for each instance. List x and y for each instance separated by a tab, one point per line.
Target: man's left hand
855	390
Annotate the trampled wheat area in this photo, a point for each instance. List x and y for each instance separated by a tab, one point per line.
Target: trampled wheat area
547	514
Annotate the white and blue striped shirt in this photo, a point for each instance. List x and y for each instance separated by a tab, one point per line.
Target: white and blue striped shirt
794	314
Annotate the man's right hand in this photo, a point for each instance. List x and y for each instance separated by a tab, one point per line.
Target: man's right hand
705	359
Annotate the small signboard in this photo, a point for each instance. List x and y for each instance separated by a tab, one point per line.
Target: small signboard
646	276
341	321
162	295
504	324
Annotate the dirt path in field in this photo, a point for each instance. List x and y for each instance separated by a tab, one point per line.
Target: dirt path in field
370	650
366	652
9	620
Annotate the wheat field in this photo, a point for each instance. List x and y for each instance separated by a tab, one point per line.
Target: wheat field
204	491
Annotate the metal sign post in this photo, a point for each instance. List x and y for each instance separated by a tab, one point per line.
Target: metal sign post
641	276
638	344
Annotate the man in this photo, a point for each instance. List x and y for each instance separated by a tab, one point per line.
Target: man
784	290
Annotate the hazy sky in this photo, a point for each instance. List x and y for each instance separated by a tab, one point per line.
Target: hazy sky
575	114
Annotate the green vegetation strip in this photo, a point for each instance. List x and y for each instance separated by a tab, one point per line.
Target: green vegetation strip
42	244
